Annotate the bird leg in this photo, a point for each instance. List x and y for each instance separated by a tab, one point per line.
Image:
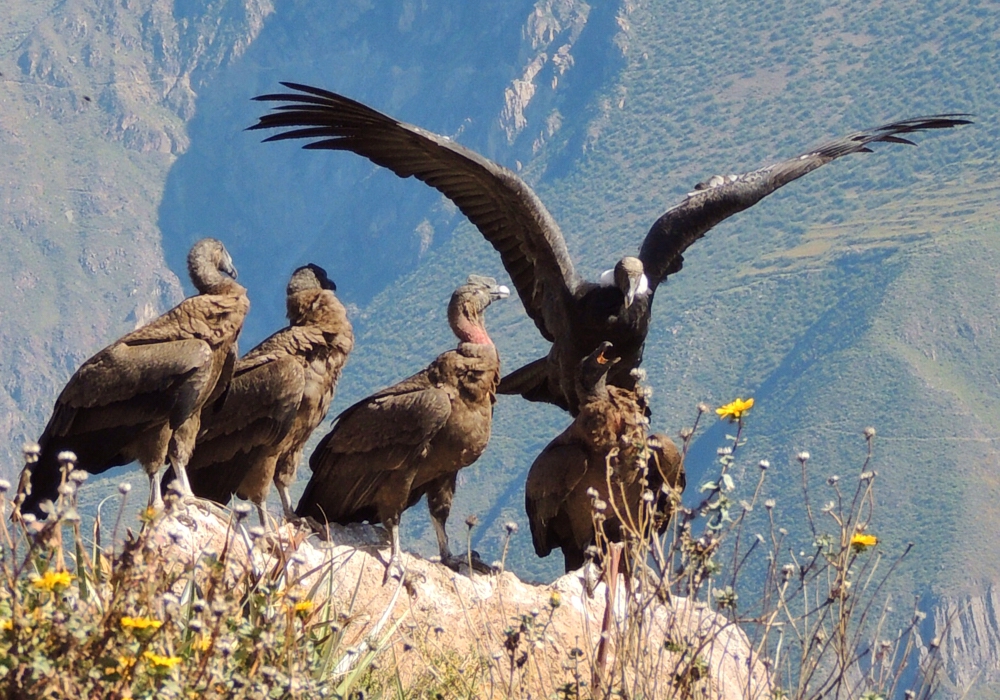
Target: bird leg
262	514
394	569
181	477
155	495
439	497
286	502
179	453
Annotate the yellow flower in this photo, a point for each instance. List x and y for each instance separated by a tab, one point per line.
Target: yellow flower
202	643
735	410
52	579
140	623
6	624
161	661
303	608
124	664
860	542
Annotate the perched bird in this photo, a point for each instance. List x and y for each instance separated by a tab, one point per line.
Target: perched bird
141	397
279	393
570	477
388	450
573	314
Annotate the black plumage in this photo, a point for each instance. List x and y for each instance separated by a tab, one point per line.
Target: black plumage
388	450
141	397
572	313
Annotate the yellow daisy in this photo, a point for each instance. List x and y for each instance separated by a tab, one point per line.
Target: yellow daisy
861	542
52	579
735	410
140	623
161	661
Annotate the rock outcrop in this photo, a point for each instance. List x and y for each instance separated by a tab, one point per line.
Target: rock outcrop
551	631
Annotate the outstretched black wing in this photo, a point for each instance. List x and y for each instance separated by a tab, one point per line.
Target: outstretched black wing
500	204
722	196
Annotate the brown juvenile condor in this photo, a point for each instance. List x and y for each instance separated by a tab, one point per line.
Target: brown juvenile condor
388	450
558	496
573	314
141	397
279	393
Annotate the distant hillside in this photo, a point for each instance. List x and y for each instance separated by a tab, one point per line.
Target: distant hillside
864	294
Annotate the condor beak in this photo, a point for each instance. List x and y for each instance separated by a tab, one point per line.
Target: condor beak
603	359
229	268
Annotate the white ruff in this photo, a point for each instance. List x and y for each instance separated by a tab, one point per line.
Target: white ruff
607	279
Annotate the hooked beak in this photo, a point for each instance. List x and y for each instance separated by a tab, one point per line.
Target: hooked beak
603	359
228	267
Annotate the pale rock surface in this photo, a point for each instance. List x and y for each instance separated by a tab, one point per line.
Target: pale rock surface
437	614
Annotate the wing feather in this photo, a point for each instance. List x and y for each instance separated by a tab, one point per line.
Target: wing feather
498	202
721	197
379	435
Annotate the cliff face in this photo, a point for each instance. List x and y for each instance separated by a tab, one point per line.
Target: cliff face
864	294
967	628
95	98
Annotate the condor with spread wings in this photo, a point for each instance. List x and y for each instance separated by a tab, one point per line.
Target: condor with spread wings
572	313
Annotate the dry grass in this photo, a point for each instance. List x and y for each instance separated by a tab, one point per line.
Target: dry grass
82	618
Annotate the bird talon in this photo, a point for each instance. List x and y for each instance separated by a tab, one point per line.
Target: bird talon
394	570
455	562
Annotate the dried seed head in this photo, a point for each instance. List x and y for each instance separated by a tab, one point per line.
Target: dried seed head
639	374
769	503
647	496
471	521
78	475
869	433
764	465
31	451
241	510
256	532
802	456
833	480
511	527
66	457
686	433
703	408
592	492
723	451
600	505
4	485
66	489
124	487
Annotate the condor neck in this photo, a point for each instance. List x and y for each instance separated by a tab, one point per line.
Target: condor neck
469	331
598	391
207	279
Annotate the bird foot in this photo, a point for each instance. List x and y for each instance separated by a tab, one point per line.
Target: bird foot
394	570
456	562
310	523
